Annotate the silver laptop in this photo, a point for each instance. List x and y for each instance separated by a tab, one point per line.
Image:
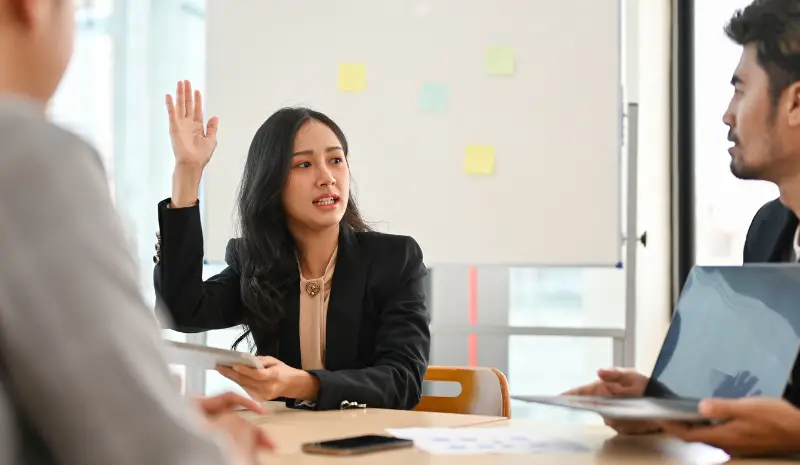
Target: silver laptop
735	333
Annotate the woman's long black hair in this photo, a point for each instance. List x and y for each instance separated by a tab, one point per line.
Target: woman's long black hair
266	249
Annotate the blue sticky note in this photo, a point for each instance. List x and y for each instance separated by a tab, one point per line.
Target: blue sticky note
434	97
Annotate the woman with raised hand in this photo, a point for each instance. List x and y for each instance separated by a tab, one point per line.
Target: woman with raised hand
337	312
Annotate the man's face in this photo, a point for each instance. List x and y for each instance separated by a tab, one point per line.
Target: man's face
755	125
43	35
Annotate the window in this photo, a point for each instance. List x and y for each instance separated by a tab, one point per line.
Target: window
724	205
84	102
127	56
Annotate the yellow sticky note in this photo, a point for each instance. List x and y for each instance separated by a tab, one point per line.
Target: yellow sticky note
500	61
352	77
479	159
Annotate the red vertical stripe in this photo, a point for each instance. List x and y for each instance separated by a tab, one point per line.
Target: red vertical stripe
473	316
473	296
473	350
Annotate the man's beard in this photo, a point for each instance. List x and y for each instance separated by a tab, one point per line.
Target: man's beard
744	172
758	172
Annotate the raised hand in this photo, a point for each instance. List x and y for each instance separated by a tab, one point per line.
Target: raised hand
192	142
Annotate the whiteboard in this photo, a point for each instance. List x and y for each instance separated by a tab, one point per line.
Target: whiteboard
553	193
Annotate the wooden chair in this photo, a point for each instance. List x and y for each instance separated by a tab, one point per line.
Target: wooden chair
484	391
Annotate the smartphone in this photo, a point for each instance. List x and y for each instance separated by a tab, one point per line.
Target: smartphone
356	445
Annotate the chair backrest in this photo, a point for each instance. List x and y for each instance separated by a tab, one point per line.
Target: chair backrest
484	391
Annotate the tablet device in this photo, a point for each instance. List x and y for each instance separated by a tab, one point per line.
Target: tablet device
627	408
197	356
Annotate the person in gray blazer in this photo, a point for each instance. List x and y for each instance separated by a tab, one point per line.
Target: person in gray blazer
82	376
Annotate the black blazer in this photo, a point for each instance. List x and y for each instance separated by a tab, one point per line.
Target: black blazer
769	240
378	335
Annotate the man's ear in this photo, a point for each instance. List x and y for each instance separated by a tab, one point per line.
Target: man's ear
25	12
791	97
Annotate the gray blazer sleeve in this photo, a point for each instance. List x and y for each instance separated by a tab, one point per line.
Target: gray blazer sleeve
80	347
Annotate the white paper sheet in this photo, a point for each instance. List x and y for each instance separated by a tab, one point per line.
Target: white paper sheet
470	441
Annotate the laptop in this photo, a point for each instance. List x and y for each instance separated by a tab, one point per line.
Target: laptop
735	332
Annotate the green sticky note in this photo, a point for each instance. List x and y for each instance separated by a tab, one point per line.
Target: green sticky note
434	97
352	77
479	159
500	61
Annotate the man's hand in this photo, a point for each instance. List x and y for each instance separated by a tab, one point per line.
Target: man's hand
227	402
619	383
244	439
613	382
752	426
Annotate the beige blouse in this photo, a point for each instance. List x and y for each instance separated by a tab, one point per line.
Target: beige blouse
314	296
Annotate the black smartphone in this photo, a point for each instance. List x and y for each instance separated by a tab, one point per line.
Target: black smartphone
356	445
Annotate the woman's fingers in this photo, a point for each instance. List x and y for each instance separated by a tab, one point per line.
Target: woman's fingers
172	114
198	107
230	374
188	98
253	386
252	373
259	375
211	129
180	96
268	361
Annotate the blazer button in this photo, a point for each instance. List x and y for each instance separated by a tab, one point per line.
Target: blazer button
346	405
157	256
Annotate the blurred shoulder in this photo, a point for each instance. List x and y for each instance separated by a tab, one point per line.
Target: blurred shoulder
41	149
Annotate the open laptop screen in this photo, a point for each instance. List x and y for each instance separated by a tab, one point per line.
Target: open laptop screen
735	333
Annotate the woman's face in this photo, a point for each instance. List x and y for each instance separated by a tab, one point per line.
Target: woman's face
318	186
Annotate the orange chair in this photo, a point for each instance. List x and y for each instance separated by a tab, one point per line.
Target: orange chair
484	391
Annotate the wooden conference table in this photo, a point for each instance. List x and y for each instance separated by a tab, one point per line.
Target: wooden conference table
291	428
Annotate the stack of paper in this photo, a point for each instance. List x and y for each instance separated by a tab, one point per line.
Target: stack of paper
451	441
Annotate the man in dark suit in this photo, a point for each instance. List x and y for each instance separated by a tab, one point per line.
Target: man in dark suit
764	121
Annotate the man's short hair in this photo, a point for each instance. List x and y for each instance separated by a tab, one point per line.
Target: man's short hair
773	26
